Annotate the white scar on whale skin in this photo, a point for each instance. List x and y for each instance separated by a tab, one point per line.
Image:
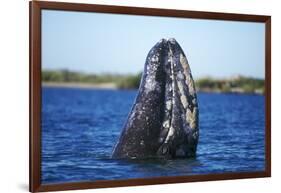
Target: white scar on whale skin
166	124
182	97
171	129
150	83
155	58
190	116
187	73
169	105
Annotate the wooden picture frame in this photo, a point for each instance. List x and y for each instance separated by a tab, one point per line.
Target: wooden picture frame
36	7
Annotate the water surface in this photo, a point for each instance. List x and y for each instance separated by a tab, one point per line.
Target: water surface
81	126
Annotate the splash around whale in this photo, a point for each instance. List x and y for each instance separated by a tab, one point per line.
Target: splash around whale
163	122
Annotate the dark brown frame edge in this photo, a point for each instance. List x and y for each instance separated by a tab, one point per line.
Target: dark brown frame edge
35	8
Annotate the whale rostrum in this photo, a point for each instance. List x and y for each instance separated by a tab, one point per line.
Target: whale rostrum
163	121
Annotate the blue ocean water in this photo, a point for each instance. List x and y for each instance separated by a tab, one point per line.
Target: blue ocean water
81	126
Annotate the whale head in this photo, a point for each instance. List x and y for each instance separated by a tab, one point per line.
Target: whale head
163	121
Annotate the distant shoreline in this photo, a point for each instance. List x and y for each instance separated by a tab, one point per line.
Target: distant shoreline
113	86
71	79
232	91
79	85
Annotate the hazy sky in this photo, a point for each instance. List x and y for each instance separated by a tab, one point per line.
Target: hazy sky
97	43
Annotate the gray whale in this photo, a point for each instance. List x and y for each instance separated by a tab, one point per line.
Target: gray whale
163	121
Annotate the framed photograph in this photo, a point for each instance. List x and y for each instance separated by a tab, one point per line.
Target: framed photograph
126	96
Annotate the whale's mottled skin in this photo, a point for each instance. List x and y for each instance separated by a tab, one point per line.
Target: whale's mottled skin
163	121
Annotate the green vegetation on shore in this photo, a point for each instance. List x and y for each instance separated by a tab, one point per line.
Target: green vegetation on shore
239	84
65	76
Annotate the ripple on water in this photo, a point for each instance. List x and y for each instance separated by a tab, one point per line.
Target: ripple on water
80	128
